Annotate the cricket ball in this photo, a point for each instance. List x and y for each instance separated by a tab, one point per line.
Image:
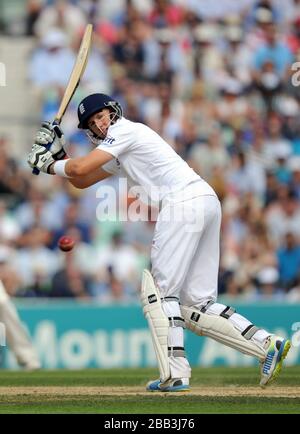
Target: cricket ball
66	243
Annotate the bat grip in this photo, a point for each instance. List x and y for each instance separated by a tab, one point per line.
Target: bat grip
36	171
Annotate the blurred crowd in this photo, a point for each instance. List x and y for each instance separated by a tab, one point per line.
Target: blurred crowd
218	80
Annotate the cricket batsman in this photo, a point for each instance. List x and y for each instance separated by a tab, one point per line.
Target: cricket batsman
181	289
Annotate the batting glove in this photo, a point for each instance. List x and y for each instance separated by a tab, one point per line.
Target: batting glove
52	138
40	158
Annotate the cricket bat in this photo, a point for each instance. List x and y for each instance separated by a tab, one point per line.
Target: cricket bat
74	79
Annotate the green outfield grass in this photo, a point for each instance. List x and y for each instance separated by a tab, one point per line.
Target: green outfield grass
105	391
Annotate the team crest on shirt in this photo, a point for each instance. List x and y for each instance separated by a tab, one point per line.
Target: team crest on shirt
109	140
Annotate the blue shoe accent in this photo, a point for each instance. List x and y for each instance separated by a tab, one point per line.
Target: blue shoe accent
153	386
175	386
276	353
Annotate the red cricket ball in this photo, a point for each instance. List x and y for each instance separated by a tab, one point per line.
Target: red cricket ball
66	243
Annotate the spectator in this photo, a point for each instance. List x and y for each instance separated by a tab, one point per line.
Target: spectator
37	210
62	14
289	261
9	227
275	145
198	113
268	83
165	14
113	289
72	219
83	256
123	258
267	288
35	262
207	58
233	108
12	184
283	216
129	50
164	55
34	9
69	281
294	166
207	156
242	179
51	64
293	296
271	192
238	55
274	51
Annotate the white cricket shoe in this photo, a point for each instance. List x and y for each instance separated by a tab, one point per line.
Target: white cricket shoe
31	366
277	349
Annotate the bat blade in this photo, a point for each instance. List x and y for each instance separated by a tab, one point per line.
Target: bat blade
77	72
74	80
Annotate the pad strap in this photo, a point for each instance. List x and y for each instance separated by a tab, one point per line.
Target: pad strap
204	308
176	352
227	312
170	299
250	331
176	321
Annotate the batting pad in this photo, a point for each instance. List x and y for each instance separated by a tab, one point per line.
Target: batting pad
158	323
220	329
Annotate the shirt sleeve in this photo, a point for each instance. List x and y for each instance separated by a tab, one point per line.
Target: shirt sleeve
112	166
117	142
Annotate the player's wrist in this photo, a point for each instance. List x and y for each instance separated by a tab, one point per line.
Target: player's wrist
51	169
60	155
59	168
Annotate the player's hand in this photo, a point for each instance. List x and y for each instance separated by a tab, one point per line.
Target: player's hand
52	137
40	158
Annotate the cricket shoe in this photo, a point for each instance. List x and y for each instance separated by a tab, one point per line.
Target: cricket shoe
31	366
174	385
277	349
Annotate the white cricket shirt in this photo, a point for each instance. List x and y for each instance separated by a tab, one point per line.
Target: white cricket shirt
146	160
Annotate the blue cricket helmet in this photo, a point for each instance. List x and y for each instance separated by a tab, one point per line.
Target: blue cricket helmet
94	103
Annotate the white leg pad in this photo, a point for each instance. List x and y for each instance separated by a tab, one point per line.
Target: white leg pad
158	323
220	329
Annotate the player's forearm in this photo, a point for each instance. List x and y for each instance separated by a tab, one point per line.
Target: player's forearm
77	167
90	179
82	166
86	180
71	168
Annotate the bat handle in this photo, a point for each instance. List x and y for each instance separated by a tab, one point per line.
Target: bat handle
36	171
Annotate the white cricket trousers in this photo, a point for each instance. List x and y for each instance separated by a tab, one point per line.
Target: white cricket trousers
185	250
185	263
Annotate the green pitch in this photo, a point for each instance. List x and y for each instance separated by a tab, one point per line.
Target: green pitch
214	390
